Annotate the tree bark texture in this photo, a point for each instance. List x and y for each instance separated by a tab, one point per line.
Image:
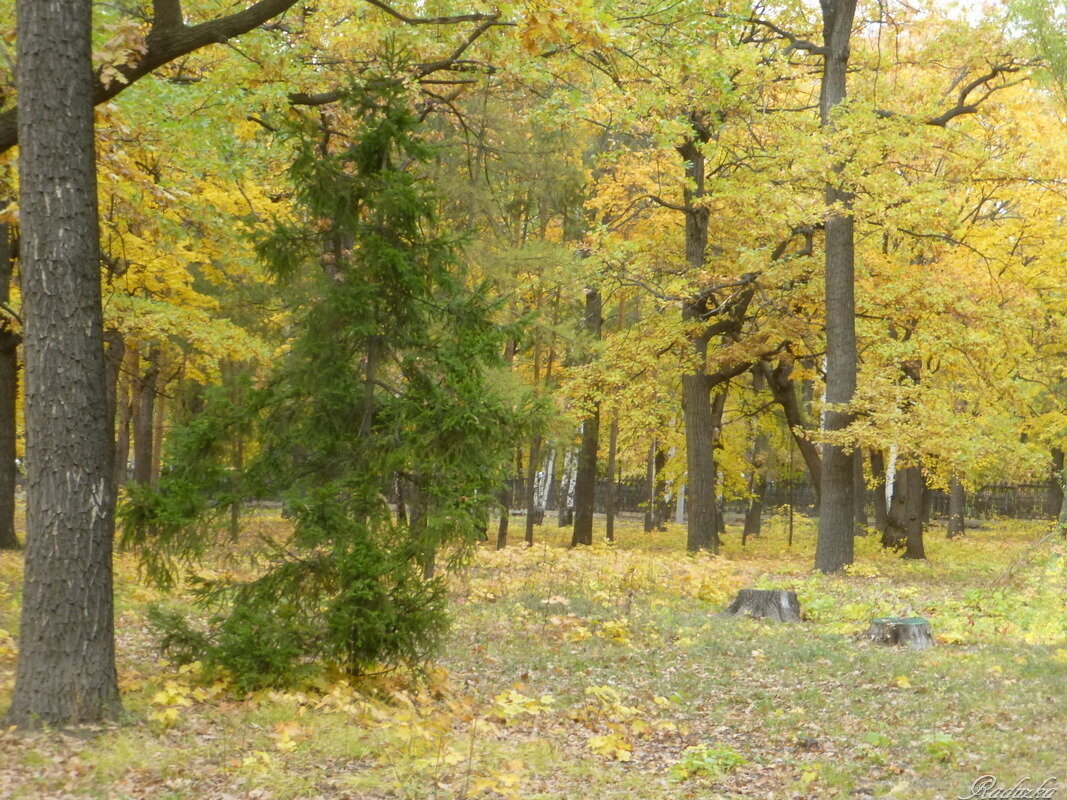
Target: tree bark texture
66	665
771	604
904	530
834	547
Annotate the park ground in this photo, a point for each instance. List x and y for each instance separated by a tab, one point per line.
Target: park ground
604	673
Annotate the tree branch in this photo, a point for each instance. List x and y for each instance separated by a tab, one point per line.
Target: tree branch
169	38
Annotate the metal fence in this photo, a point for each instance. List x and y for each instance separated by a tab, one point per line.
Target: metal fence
1014	501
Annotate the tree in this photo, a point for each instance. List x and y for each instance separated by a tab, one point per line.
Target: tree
834	548
397	373
66	666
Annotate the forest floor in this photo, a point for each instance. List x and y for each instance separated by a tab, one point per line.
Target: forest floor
604	673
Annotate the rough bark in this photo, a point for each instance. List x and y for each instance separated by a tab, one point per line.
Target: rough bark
1054	498
585	479
612	491
66	665
904	528
957	499
9	380
700	462
834	546
880	506
913	632
771	604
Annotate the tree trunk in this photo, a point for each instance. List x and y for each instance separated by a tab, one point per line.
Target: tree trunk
565	512
783	389
534	515
650	489
772	604
904	530
700	460
859	497
834	547
754	513
585	479
956	501
66	664
1054	499
9	381
661	504
505	513
913	632
144	420
612	493
158	414
880	505
757	483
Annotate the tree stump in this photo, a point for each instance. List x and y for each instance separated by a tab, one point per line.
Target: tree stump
772	604
913	632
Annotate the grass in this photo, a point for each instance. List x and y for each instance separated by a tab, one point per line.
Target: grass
604	673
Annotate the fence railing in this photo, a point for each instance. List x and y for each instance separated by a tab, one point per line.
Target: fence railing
1014	501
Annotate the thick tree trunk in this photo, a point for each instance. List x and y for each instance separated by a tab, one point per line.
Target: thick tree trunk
585	479
880	505
904	530
1054	499
957	499
144	420
701	533
9	381
612	490
66	664
834	547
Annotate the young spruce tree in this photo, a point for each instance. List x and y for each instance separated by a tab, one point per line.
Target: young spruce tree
395	381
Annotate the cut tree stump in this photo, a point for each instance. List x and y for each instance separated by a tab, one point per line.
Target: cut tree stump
913	632
772	604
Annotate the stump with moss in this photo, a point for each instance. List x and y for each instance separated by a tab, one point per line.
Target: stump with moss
773	604
913	632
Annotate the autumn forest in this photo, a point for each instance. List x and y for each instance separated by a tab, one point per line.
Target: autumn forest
456	399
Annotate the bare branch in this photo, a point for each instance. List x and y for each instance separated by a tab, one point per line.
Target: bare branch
473	17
